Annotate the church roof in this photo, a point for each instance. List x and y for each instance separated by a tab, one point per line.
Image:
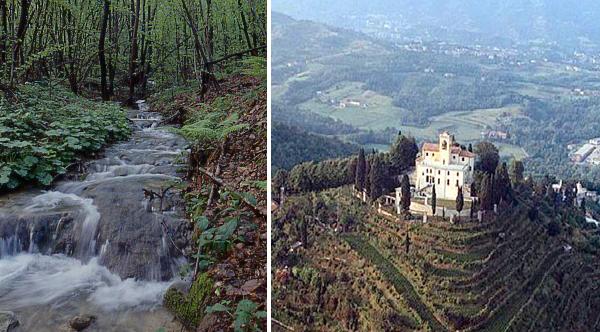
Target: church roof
433	147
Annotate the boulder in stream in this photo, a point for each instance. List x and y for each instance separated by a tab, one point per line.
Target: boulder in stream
81	322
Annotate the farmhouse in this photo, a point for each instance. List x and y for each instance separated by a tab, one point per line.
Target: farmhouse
446	165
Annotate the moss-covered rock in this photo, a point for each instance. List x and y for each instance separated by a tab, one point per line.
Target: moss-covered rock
189	308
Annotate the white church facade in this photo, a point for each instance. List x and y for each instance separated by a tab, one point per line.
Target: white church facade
446	165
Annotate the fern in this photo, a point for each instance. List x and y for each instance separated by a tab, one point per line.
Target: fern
255	66
207	128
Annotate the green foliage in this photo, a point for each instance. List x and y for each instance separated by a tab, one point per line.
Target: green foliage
211	127
255	66
48	129
213	122
246	315
189	308
292	146
216	240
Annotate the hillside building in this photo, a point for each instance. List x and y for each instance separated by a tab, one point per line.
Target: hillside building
445	164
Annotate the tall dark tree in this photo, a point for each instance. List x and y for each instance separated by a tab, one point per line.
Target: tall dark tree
19	39
582	205
405	192
3	31
377	177
501	185
433	200
407	242
487	157
101	51
361	170
516	171
460	200
403	153
470	148
368	167
133	51
485	193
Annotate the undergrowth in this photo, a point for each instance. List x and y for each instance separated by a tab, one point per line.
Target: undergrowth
47	128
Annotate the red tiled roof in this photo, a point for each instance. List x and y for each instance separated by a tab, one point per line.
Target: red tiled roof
430	147
466	153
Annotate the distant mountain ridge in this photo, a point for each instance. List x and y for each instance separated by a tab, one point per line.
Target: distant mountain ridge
568	22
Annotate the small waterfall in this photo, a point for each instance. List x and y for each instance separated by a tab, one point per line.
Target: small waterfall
55	199
10	246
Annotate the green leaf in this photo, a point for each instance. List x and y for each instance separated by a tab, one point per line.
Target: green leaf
219	307
202	223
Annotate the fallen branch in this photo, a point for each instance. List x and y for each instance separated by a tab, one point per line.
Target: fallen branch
289	328
238	54
221	183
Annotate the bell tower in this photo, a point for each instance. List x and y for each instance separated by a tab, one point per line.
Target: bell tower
445	148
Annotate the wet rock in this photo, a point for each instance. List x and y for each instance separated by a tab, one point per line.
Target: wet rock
251	285
181	286
81	322
208	323
8	321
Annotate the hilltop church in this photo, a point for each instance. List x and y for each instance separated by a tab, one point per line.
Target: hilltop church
445	164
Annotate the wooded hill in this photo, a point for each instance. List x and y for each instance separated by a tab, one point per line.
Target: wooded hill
521	268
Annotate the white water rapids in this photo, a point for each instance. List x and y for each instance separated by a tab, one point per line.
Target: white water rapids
94	224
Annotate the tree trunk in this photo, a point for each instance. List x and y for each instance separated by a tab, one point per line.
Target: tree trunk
4	31
135	24
101	51
207	77
21	31
245	26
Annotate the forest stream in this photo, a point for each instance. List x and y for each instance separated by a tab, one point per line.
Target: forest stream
102	245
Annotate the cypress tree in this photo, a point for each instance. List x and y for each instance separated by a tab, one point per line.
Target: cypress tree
460	200
367	185
501	185
433	200
405	190
377	177
485	194
361	171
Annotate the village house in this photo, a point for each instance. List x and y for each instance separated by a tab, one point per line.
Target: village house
446	165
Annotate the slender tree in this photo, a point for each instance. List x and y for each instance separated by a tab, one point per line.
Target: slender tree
485	193
405	191
133	53
3	32
460	201
19	39
433	200
101	51
361	170
377	177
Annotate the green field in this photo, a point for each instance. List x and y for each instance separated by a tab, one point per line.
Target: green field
380	114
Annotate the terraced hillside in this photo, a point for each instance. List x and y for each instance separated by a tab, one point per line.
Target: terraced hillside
503	274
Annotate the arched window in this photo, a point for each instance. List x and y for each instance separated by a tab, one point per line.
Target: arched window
444	145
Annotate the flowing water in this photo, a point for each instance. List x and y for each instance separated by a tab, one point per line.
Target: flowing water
102	245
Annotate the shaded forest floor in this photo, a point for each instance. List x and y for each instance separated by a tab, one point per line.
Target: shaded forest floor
240	162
